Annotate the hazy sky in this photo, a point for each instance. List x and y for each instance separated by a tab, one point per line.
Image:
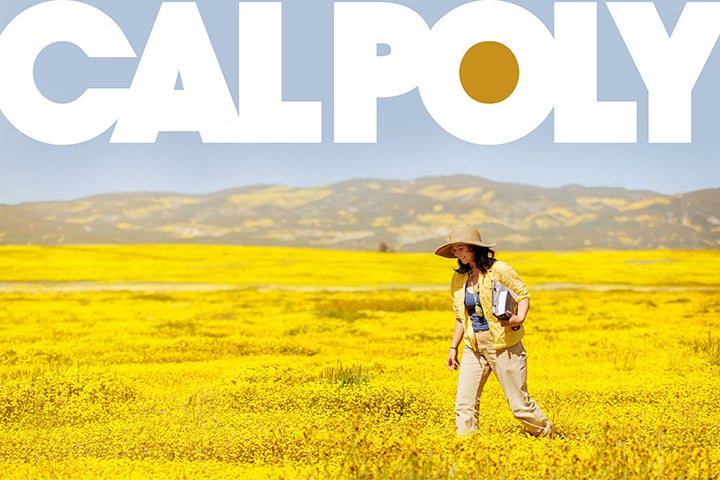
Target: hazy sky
410	143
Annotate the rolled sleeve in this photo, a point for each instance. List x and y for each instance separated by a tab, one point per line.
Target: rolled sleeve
510	278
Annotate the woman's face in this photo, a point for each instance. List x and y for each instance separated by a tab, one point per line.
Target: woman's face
464	253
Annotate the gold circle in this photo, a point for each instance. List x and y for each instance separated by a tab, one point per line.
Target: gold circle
489	72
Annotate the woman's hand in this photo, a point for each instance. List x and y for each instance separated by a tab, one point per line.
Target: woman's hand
452	360
457	339
513	321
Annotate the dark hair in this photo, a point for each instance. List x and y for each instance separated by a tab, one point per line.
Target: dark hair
484	259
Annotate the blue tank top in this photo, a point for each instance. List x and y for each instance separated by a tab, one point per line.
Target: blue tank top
479	323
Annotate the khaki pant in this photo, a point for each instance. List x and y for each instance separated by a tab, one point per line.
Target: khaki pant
510	367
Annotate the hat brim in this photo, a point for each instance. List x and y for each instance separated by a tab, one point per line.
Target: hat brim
446	250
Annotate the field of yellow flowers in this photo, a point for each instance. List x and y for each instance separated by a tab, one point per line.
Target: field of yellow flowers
210	362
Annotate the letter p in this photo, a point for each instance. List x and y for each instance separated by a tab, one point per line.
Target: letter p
361	75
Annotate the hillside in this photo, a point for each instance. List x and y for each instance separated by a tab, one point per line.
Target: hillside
366	214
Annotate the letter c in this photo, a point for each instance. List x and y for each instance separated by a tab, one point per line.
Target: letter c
87	27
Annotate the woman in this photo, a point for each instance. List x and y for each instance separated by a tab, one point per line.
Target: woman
491	344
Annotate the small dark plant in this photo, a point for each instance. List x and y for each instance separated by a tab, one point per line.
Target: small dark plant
709	347
346	376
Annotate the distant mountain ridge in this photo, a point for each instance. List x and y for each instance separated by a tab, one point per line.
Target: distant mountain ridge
371	214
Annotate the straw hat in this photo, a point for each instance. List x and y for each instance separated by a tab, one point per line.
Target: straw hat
462	235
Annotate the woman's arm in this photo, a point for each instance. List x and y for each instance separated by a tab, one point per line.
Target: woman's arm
522	311
457	338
